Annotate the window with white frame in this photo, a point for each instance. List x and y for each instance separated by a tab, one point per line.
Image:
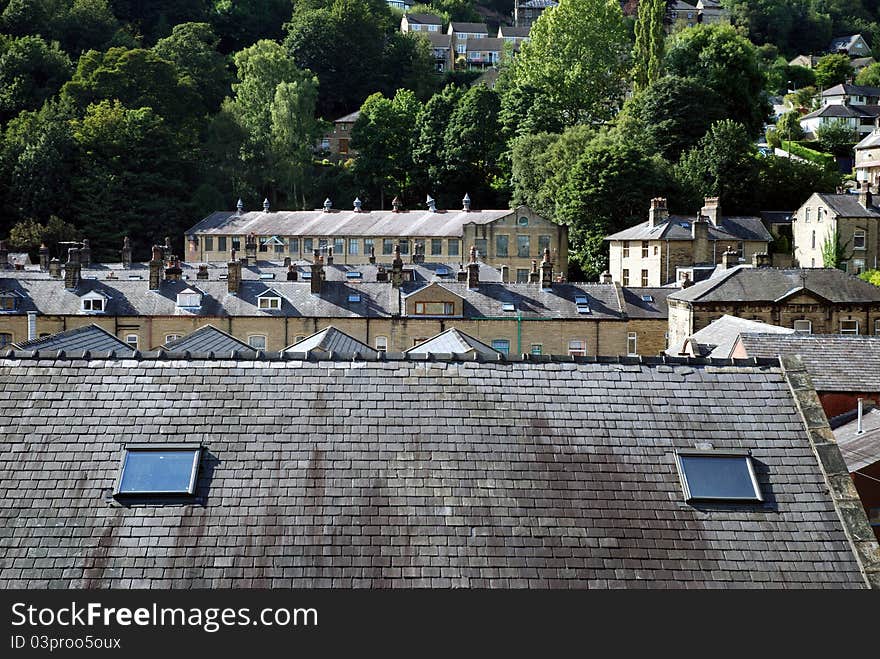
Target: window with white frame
93	304
803	327
132	340
858	266
710	475
625	249
269	303
434	308
806	215
577	348
382	343
859	239
257	341
189	299
632	343
171	337
849	327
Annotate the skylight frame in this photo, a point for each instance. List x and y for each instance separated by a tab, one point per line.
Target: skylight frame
195	447
508	307
744	454
354	274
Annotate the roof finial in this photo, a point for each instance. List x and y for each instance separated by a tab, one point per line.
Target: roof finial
432	205
239	207
266	205
327	205
357	205
396	204
466	203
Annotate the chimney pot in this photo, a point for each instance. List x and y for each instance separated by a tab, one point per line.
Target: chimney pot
730	258
72	269
55	268
658	213
606	278
317	280
44	257
292	274
866	198
546	270
372	255
712	209
203	272
126	253
156	266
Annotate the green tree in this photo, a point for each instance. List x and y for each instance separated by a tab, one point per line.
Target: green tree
834	251
294	130
788	183
724	164
383	136
192	48
871	276
30	234
155	18
78	25
789	127
869	76
673	113
31	71
430	130
833	70
241	23
576	61
650	39
837	137
719	58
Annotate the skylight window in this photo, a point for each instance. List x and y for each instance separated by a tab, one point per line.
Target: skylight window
718	476
647	298
581	299
354	297
307	274
443	272
582	303
354	274
508	306
159	469
267	275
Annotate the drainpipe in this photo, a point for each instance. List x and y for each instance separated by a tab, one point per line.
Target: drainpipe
31	325
859	429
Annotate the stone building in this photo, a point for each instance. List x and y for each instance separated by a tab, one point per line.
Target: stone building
818	301
389	307
510	238
853	219
651	253
299	471
337	143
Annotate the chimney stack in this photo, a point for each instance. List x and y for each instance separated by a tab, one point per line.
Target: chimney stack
730	259
55	268
866	199
44	257
372	255
173	272
287	261
658	213
4	255
606	278
292	274
762	260
473	270
701	252
250	249
233	277
534	275
466	203
203	272
317	274
329	256
72	269
156	267
85	254
397	268
546	271
381	273
462	274
686	281
395	205
712	209
126	253
432	205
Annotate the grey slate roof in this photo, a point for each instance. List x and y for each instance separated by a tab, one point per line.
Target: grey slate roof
647	302
207	339
331	339
860	450
847	89
731	228
841	111
424	19
717	339
746	284
454	342
870	140
349	118
401	473
847	205
475	28
88	337
487	44
844	43
836	362
416	223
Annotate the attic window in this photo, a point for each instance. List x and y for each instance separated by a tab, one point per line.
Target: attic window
508	306
443	272
354	297
269	303
136	277
158	469
647	298
267	275
685	225
8	301
93	305
718	476
354	274
189	299
582	304
307	274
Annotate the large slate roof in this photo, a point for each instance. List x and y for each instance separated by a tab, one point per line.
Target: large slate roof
847	205
731	228
718	338
207	339
88	337
410	473
331	339
860	449
746	284
840	111
454	342
836	362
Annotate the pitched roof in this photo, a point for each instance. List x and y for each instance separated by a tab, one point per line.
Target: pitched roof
847	205
777	217
438	39
207	339
836	362
678	227
424	19
860	450
349	118
331	339
87	337
746	284
844	43
536	4
717	339
454	342
487	44
846	89
346	223
844	111
510	31
870	140
402	473
474	28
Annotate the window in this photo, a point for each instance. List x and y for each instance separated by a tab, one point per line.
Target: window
343	146
577	348
221	244
5	339
269	303
644	277
803	327
632	343
152	469
387	246
382	343
501	243
877	327
806	215
453	247
522	275
819	213
645	247
322	245
625	249
236	244
859	240
508	307
434	308
308	246
368	245
257	341
480	245
647	298
582	302
189	299
7	302
325	143
294	245
625	278
171	337
354	275
279	246
536	349
460	48
849	327
501	345
404	246
419	340
718	476
858	266
93	305
353	246
522	246
813	241
339	246
523	221
209	244
543	243
436	246
132	340
354	297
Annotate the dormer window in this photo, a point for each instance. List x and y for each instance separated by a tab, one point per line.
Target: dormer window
189	299
8	300
94	303
269	300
